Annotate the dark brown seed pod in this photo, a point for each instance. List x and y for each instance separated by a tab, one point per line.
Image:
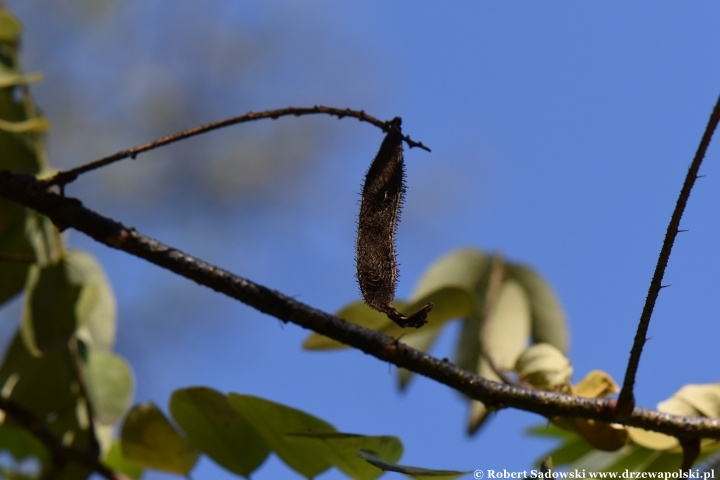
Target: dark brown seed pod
382	199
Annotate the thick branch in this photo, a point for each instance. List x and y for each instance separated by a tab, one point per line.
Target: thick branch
63	178
68	212
59	451
626	400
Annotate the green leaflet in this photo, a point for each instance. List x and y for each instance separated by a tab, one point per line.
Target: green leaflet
63	297
22	444
341	450
115	461
149	440
274	421
548	318
13	242
218	429
110	385
10	27
413	472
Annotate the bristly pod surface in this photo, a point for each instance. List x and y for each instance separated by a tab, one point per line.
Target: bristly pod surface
382	199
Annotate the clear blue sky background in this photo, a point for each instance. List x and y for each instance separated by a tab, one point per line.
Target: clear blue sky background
560	136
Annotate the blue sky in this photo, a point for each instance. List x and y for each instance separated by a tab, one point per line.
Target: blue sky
560	136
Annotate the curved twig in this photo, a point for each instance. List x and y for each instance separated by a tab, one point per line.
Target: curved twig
64	177
626	400
68	212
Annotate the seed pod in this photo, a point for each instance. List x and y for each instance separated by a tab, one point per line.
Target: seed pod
382	199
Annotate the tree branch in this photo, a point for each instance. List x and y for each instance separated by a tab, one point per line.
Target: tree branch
69	212
626	399
59	451
63	178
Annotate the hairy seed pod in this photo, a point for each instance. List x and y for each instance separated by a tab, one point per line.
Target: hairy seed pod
382	199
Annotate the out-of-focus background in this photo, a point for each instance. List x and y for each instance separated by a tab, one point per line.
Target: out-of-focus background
560	135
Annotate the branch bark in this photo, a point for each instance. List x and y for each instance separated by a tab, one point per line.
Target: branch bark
68	212
626	399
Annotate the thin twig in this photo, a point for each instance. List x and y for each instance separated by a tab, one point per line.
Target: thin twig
63	178
626	399
67	212
56	447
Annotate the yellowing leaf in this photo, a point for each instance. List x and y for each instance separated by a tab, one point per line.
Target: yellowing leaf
704	398
149	440
652	440
543	366
596	384
602	436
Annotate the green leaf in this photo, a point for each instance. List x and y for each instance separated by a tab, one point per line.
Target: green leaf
341	450
543	366
274	421
149	440
43	385
115	461
549	324
44	238
413	472
49	316
462	269
13	241
218	430
506	331
10	27
110	385
22	444
96	308
65	296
